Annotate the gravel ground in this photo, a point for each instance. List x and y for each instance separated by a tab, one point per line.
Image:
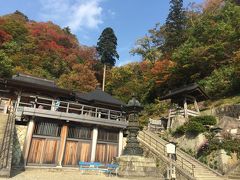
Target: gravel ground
44	174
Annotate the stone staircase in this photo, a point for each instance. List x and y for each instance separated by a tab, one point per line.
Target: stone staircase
7	123
185	164
235	174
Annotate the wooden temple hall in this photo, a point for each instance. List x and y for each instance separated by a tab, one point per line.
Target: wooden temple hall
184	102
62	127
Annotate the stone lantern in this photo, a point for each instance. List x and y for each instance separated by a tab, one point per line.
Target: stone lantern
132	109
132	163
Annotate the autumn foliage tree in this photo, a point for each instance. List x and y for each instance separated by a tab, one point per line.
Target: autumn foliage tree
44	49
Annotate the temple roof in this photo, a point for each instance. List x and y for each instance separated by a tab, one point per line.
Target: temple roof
33	80
26	81
31	83
99	96
193	90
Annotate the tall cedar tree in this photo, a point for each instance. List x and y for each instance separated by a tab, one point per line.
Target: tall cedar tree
175	26
107	50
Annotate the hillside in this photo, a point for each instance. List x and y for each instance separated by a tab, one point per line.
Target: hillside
43	49
203	48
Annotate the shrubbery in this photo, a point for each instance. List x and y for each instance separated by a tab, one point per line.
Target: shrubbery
205	120
181	130
195	125
194	128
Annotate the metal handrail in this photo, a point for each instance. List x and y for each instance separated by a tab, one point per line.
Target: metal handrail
183	162
6	147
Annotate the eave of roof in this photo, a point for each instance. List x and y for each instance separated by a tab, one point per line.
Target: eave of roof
200	94
40	87
99	96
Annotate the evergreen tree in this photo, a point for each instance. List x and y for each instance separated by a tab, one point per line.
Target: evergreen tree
5	65
175	26
107	49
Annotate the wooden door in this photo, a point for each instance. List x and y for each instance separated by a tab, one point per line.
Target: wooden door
106	152
36	149
70	155
112	151
101	153
76	151
43	151
84	150
50	151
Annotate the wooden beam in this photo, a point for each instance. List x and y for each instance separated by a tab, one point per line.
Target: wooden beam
62	144
27	142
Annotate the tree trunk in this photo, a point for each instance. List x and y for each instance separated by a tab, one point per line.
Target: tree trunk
104	77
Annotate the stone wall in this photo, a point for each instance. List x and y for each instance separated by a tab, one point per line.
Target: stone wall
18	143
190	144
162	166
221	161
231	111
230	125
177	121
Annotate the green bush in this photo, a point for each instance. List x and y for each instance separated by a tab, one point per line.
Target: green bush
194	128
204	120
181	130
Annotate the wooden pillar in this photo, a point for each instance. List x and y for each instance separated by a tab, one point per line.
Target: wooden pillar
196	105
120	143
28	139
18	100
94	143
53	106
169	119
185	107
62	144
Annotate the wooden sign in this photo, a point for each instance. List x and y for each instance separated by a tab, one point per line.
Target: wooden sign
170	148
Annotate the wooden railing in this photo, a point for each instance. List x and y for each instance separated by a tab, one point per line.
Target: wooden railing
156	143
188	112
69	107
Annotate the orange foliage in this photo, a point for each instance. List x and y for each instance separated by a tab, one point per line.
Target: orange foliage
80	78
212	5
4	37
48	51
161	70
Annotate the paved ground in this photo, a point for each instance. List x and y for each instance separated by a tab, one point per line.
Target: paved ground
62	175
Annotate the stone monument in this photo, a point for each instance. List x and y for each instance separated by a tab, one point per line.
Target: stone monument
132	163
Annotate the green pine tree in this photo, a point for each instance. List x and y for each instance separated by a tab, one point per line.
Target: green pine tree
175	26
107	49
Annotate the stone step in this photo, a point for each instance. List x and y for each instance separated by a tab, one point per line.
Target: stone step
235	173
200	170
233	177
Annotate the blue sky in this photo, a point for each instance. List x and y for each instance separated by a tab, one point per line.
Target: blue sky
130	19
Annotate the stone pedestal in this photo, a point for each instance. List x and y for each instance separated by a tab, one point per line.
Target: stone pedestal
137	166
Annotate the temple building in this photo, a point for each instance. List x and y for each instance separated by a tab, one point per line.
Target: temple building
59	127
184	102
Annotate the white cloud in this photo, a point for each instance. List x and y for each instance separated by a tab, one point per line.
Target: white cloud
77	14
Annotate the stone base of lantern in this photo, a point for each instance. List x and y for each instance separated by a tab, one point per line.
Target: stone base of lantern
137	166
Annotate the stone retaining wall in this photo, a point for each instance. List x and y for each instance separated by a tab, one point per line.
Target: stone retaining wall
231	111
18	143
